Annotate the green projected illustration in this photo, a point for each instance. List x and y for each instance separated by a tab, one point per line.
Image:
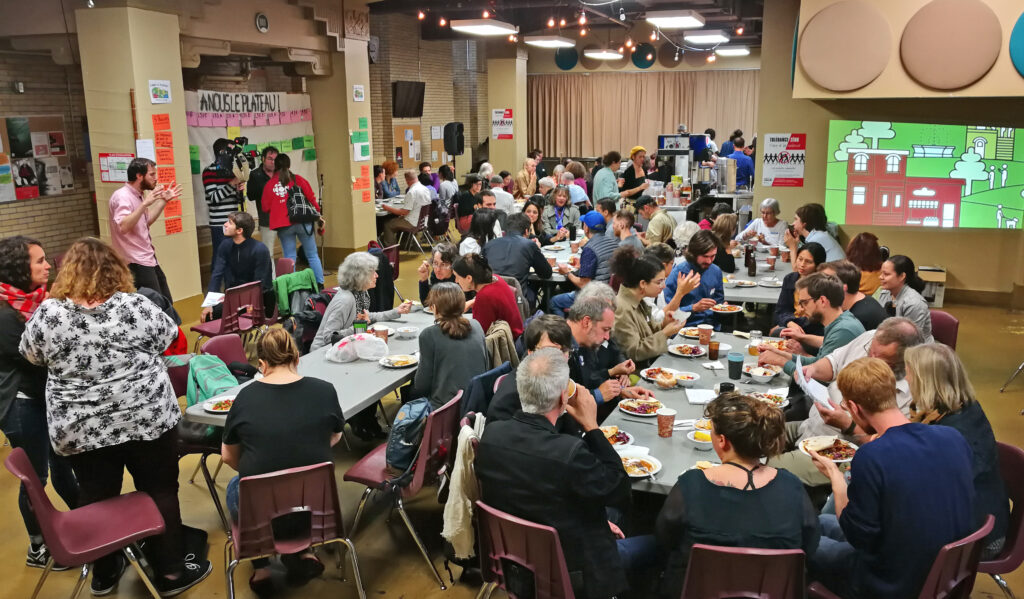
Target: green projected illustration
910	174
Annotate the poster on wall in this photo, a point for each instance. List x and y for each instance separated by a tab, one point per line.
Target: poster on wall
501	123
265	119
26	178
783	164
925	175
38	153
19	137
159	91
6	180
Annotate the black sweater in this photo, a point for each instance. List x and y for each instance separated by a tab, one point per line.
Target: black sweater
16	373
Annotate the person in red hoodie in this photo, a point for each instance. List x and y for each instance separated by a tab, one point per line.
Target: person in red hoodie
275	203
495	300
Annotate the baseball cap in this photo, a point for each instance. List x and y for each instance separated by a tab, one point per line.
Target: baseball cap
594	221
643	201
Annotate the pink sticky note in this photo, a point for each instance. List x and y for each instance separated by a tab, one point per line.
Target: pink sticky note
286	118
234	120
274	118
245	120
205	119
259	119
219	119
295	115
192	119
307	114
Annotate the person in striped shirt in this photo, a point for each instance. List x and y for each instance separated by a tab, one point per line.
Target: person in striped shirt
222	190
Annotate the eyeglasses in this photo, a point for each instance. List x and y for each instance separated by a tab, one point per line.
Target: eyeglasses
802	303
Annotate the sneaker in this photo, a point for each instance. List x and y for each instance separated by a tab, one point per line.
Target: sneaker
38	555
104	585
193	573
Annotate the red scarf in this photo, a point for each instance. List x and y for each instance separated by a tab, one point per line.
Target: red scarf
26	303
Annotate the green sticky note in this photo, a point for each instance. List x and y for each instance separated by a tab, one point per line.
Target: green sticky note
196	167
360	137
363	124
249	148
364	151
298	143
286	145
354	137
309	154
193	152
307	141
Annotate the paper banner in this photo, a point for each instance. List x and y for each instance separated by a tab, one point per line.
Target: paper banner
172	226
218	119
165	156
367	196
309	154
164	139
166	174
246	120
173	208
161	122
295	115
234	120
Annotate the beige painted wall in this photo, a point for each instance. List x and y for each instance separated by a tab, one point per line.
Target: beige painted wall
289	25
979	260
122	49
506	88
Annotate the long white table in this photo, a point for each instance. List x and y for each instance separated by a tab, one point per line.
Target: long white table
359	384
677	453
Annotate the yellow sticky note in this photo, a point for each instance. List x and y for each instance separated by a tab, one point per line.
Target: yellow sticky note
234	132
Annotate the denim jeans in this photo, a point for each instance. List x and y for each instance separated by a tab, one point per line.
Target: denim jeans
304	234
834	562
561	303
25	427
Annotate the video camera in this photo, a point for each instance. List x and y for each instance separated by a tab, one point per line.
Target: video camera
236	161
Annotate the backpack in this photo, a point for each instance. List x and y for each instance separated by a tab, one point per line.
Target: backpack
208	376
300	209
406	434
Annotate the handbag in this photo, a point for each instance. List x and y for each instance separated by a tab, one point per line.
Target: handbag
300	209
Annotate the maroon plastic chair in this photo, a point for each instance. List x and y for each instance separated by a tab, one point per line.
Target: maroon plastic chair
264	497
179	379
236	298
614	282
81	536
421	227
506	539
284	266
952	574
945	327
717	572
228	348
1011	466
394	259
438	442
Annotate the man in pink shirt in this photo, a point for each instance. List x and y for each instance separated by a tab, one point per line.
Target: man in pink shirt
132	212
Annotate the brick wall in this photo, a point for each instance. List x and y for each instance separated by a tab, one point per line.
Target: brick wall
50	89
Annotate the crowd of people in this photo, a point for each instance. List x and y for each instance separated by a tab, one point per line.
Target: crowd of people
84	390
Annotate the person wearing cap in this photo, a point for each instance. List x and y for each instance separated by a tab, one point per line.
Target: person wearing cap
466	202
634	178
660	225
595	260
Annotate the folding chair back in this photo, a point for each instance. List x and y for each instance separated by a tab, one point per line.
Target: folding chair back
284	266
236	298
719	572
956	566
439	436
228	348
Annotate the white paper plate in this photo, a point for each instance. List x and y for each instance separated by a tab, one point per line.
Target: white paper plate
700	445
644	373
208	404
824	437
381	327
773	285
637	414
388	361
693	336
655	462
703	351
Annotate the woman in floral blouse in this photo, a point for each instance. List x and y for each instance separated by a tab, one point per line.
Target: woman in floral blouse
109	401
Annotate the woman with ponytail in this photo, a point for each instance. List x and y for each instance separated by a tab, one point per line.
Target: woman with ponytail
740	503
901	293
452	351
275	203
494	300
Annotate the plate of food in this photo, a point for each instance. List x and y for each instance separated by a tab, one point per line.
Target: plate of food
692	333
773	282
686	379
663	377
617	436
727	308
417	305
398	361
219	405
761	374
701	439
776	400
832	448
640	407
703	424
640	466
428	309
381	327
553	248
742	283
686	350
704	465
779	344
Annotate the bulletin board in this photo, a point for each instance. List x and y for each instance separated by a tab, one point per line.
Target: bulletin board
408	147
437	149
34	157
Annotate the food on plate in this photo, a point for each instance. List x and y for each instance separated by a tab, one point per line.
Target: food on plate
555	248
771	368
779	344
614	435
771	398
703	424
692	332
685	376
741	283
665	380
702	436
726	307
640	406
685	349
400	360
836	450
637	466
762	371
221	406
703	465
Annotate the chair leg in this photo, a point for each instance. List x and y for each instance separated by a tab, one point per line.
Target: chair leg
195	471
419	542
486	590
229	577
220	462
399	294
213	493
42	579
1004	586
81	582
359	511
1012	376
198	344
129	551
355	567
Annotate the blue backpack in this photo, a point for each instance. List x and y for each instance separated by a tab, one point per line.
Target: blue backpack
406	434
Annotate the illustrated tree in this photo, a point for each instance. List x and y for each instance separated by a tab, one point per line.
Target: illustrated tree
852	142
876	130
970	168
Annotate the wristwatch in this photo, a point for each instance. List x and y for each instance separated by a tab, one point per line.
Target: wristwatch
846	432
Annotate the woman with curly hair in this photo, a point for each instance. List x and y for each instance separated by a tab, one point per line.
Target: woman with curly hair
390	183
109	402
24	273
864	251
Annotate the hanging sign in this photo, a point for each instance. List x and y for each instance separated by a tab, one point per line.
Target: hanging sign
501	123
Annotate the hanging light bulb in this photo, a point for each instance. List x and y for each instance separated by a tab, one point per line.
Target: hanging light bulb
629	42
583	18
622	15
633	50
551	22
487	14
561	23
711	58
677	56
654	35
442	22
421	15
583	31
650	56
621	50
739	29
512	38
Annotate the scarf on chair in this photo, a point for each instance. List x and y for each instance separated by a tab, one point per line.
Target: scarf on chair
23	302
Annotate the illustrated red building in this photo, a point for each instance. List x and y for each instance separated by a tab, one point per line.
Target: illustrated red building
879	192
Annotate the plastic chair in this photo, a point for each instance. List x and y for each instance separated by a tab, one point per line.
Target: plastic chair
614	282
506	540
179	379
717	572
228	348
81	536
421	227
394	259
236	298
952	574
264	497
284	266
497	383
438	441
945	327
1011	466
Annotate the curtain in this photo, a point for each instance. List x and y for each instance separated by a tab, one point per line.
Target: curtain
577	114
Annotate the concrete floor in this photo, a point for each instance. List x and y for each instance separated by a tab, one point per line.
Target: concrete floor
991	343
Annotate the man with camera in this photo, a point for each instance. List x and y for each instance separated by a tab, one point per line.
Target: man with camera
222	188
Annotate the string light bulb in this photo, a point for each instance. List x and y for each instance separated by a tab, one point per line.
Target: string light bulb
711	58
583	18
583	31
421	15
650	56
739	29
551	22
629	42
561	23
622	15
487	14
654	35
633	50
677	56
621	49
442	22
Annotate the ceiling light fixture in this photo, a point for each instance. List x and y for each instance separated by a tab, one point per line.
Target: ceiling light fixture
706	37
732	51
484	27
739	29
621	49
561	23
711	58
650	56
629	42
622	15
654	35
551	22
548	41
675	19
442	22
583	18
487	14
632	50
602	54
677	56
583	31
91	4
421	15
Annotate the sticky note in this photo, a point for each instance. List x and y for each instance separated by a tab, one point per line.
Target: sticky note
294	116
274	118
363	124
196	166
166	174
192	119
193	152
298	143
367	196
233	131
246	120
161	122
360	137
164	156
249	148
309	154
307	114
364	151
172	226
205	119
307	141
173	208
219	119
364	171
286	145
164	139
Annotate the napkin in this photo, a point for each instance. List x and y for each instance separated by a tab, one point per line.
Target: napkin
717	365
700	396
783	391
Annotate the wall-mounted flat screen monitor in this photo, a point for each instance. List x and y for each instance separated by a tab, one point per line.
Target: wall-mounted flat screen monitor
918	175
